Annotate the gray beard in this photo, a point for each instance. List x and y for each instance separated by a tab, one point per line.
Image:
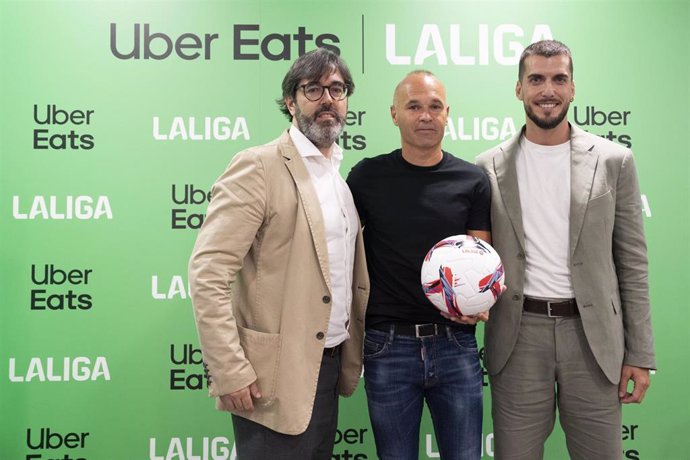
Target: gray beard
322	136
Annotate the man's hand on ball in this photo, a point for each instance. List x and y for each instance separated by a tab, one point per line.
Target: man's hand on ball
467	319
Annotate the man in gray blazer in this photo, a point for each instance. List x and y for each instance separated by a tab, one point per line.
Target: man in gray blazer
573	329
278	277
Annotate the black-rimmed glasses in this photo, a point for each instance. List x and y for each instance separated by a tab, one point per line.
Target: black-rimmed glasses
314	91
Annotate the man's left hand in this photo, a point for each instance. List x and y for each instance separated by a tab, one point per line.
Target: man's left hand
474	319
640	379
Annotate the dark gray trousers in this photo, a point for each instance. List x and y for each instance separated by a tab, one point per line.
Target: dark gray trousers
256	442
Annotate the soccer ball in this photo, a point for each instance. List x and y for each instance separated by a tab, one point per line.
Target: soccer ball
462	275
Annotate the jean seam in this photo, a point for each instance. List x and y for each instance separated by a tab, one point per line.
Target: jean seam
474	349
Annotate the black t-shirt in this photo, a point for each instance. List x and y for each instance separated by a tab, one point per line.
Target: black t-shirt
405	210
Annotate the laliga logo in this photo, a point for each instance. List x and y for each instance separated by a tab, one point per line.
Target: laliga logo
79	369
177	288
188	128
206	448
81	207
464	49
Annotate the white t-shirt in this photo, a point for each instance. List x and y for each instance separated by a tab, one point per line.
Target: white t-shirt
544	182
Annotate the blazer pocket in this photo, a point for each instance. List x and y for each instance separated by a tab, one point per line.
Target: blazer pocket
263	351
605	197
601	209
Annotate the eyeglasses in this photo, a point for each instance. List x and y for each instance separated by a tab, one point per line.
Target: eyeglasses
314	91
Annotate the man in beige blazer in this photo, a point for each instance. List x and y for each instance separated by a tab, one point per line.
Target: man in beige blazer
573	329
278	276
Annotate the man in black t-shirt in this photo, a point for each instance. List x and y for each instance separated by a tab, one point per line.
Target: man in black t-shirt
408	200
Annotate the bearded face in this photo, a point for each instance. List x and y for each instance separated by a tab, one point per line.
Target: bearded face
322	126
546	90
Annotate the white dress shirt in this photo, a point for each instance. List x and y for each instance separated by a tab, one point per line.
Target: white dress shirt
340	222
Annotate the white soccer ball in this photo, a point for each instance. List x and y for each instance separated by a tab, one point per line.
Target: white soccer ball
462	275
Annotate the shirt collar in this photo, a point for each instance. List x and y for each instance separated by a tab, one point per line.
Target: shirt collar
307	149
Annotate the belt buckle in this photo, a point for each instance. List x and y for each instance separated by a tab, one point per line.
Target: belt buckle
548	310
418	333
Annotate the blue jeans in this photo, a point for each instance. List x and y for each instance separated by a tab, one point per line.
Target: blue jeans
400	372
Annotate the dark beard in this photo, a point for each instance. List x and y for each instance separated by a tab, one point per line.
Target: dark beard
322	136
550	123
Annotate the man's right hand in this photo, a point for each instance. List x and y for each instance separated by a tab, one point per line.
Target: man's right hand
241	400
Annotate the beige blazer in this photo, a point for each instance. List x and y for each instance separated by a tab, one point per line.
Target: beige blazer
260	287
608	254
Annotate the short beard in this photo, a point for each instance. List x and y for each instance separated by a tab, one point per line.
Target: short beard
322	136
550	123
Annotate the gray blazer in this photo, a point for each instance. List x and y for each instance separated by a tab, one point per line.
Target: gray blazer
608	253
261	290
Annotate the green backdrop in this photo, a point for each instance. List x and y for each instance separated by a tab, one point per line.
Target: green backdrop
116	117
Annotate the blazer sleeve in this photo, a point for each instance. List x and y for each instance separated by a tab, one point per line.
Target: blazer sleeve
234	216
630	259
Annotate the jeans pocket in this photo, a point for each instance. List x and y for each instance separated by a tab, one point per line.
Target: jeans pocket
375	345
465	341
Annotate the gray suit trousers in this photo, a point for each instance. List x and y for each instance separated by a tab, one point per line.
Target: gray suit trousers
552	367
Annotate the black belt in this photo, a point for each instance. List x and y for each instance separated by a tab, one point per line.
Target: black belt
551	309
415	330
331	351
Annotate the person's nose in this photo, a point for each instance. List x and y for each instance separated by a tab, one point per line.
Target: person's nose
326	97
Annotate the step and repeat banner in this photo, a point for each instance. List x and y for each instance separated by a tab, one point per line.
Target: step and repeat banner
116	118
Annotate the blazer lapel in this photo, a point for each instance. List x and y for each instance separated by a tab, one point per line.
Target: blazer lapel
310	202
506	176
583	165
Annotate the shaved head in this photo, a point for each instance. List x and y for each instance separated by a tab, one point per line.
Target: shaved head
412	78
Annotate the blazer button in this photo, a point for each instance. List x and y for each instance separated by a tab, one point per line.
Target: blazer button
521	255
320	335
516	297
326	299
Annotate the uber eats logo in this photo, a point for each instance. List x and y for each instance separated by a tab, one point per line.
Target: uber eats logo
189	206
47	443
62	129
58	289
249	43
189	372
